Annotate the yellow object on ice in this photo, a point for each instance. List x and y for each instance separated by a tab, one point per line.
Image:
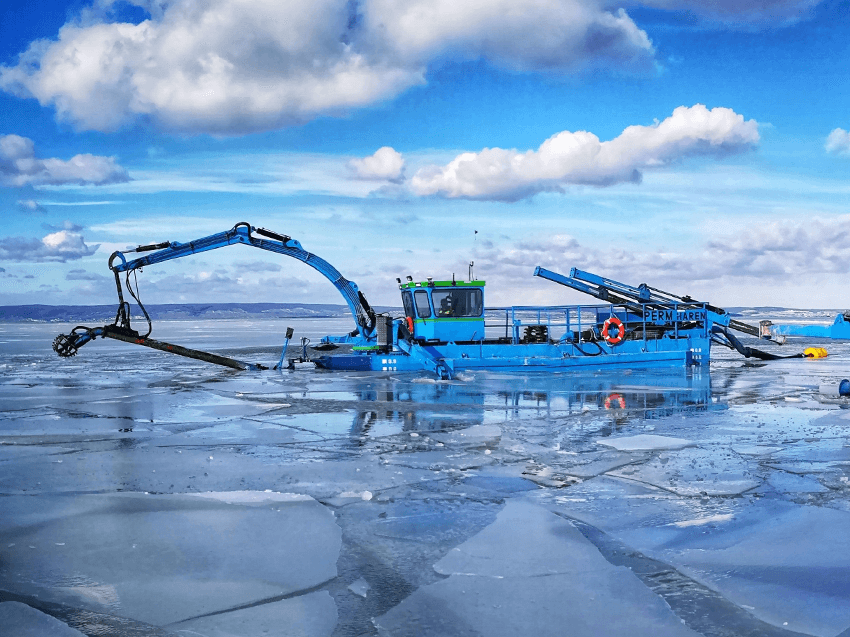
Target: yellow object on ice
814	352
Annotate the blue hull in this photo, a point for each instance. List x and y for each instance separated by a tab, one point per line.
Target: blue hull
682	352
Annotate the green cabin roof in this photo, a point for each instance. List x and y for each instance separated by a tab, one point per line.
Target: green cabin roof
440	284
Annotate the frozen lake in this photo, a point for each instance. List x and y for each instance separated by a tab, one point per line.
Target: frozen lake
147	494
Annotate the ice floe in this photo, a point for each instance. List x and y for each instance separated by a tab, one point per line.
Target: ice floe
645	442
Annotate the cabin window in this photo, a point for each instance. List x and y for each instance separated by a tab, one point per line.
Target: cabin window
423	308
407	299
458	302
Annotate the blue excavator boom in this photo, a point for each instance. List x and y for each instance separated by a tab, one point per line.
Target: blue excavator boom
244	233
364	316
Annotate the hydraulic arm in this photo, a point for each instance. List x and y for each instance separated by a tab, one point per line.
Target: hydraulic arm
364	315
636	298
643	297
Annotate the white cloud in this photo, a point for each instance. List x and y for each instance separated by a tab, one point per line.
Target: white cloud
768	254
238	66
19	167
385	164
524	35
838	142
580	158
732	12
57	246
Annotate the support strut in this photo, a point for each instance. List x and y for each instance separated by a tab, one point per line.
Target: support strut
66	345
183	351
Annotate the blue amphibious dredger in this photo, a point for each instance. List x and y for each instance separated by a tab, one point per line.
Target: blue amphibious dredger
446	327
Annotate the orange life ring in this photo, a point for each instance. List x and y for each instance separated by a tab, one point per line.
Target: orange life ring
409	322
621	331
615	398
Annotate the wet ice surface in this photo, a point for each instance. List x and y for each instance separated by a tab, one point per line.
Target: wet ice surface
145	494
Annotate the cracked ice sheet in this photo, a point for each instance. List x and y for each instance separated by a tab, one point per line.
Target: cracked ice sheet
311	615
780	561
513	578
785	563
645	442
20	620
695	471
165	558
326	481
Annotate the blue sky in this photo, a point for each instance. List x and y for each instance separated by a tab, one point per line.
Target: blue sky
700	147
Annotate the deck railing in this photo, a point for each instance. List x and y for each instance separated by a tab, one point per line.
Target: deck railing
572	322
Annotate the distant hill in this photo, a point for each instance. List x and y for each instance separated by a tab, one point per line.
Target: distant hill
106	313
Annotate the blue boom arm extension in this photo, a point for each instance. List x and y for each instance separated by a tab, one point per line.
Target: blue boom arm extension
364	316
637	298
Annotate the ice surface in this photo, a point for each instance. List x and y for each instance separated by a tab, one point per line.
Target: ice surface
360	587
20	620
533	573
156	490
165	558
311	615
645	442
252	498
473	436
792	569
791	483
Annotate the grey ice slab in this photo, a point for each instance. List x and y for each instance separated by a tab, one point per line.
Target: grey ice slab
326	480
20	620
310	615
531	573
645	442
360	587
162	559
787	563
130	465
694	471
792	484
590	464
779	561
475	436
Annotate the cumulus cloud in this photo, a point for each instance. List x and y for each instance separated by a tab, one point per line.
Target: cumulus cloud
735	12
838	142
20	167
385	164
57	246
524	35
580	158
769	252
238	66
